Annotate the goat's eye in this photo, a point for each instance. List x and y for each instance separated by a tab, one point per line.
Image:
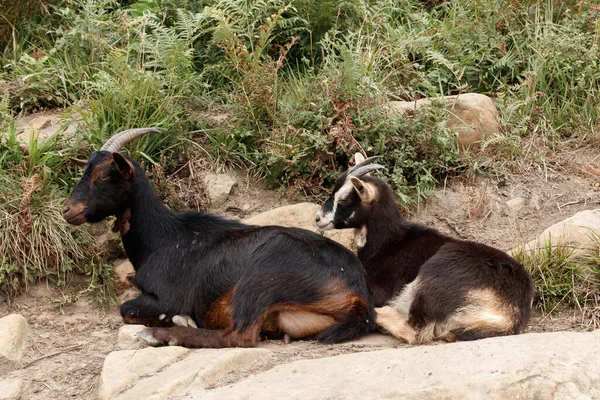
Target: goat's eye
344	202
105	177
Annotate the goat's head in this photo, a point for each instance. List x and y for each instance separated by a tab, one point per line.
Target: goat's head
106	185
352	196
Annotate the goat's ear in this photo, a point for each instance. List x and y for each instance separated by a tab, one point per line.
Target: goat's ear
365	190
123	165
358	158
80	163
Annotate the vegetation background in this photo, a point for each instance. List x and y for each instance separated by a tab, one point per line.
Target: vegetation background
300	84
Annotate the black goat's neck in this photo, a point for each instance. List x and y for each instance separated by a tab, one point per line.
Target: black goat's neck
146	225
384	226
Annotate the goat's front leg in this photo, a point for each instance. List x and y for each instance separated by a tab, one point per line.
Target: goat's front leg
146	310
391	321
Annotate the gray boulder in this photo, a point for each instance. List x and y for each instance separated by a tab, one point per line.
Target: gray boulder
472	115
13	337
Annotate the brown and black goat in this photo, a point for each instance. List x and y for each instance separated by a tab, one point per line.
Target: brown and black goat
427	286
233	280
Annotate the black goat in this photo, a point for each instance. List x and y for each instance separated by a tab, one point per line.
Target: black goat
429	286
233	280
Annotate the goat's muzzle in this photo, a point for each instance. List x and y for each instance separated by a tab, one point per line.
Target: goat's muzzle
73	212
323	220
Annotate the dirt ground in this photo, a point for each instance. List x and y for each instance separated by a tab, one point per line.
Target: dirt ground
66	348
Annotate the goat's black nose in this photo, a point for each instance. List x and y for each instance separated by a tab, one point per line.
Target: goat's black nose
66	209
317	218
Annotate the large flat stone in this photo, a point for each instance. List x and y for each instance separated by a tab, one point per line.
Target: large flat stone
157	373
301	215
562	365
13	337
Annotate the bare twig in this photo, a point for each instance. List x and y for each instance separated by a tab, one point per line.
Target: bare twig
453	225
482	220
66	349
571	203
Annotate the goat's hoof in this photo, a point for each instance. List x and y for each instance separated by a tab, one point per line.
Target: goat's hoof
184	320
287	339
148	338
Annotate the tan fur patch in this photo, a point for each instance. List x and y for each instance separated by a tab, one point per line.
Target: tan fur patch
219	313
299	324
484	310
122	223
366	191
300	320
360	237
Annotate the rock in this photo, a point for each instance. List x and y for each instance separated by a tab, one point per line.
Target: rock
13	337
534	203
515	204
10	389
39	123
124	269
561	365
128	337
98	228
129	293
43	125
301	215
375	339
158	373
105	238
579	232
472	115
102	240
219	186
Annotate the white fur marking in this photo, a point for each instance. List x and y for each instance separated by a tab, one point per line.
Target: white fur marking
403	301
326	219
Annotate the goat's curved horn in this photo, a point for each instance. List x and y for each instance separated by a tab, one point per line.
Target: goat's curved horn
365	162
365	169
122	138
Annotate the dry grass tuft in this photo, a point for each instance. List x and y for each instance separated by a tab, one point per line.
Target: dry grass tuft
35	241
566	278
183	189
478	200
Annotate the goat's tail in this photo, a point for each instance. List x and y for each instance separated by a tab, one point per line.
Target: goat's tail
356	322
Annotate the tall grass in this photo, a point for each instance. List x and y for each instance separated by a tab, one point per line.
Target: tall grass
35	241
566	278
